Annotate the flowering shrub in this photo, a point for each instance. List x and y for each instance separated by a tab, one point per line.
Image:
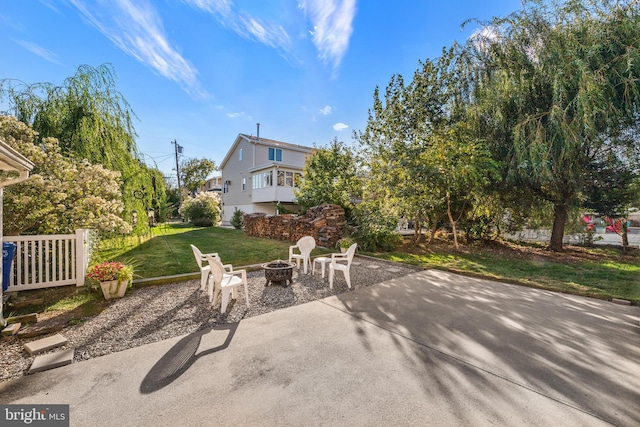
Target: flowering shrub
62	193
202	210
110	270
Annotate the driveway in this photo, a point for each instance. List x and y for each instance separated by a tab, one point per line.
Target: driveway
430	348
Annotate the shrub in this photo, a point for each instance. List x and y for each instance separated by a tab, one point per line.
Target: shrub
202	210
237	219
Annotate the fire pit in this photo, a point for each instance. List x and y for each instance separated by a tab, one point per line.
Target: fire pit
278	271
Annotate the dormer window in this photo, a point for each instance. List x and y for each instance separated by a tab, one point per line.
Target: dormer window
275	154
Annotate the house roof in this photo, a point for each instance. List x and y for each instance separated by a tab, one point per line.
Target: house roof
276	165
263	141
11	160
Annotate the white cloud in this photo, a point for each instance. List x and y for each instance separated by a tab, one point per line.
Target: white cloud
223	7
484	37
332	27
235	115
340	126
136	28
50	5
326	110
40	51
247	26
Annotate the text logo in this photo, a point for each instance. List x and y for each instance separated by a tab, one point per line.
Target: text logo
34	415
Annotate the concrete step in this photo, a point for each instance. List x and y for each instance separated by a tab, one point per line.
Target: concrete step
52	360
44	344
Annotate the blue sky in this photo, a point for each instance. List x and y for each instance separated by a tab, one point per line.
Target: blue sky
203	71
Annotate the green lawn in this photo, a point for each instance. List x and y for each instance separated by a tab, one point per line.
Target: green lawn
167	251
601	272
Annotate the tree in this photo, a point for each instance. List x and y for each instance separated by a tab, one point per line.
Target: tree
61	194
556	86
194	173
419	149
91	120
610	192
330	176
237	219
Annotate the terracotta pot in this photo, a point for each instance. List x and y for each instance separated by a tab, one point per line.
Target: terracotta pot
112	289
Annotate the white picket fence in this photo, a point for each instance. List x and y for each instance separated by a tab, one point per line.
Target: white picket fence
49	260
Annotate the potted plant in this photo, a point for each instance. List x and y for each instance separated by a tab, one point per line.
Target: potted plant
114	277
345	243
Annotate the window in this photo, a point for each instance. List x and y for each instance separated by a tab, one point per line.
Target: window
275	154
262	180
285	179
244	184
240	155
225	187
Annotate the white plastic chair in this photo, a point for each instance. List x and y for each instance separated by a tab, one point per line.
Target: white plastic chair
337	261
305	245
204	269
225	282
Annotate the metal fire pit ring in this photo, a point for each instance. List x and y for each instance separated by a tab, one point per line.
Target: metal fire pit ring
278	271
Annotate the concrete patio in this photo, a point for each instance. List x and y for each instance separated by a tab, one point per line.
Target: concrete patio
429	348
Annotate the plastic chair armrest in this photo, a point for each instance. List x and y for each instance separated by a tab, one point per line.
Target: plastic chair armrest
242	273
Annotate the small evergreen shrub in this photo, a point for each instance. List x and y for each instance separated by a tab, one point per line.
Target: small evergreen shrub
237	219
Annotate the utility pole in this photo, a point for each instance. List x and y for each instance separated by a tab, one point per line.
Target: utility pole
178	149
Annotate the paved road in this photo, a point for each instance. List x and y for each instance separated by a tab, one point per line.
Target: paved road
431	348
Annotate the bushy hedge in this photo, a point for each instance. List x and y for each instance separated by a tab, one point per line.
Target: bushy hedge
203	210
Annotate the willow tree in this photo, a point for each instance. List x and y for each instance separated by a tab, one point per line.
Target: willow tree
91	120
557	86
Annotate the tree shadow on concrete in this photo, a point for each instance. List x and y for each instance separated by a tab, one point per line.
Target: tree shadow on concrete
579	352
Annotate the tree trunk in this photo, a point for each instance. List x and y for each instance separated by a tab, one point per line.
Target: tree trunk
557	234
453	223
624	234
416	232
434	228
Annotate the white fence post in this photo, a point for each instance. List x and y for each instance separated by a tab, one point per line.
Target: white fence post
81	256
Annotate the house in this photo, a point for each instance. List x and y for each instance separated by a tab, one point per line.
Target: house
213	184
17	168
259	173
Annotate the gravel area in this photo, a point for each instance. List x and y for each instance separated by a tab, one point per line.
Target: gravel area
155	313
